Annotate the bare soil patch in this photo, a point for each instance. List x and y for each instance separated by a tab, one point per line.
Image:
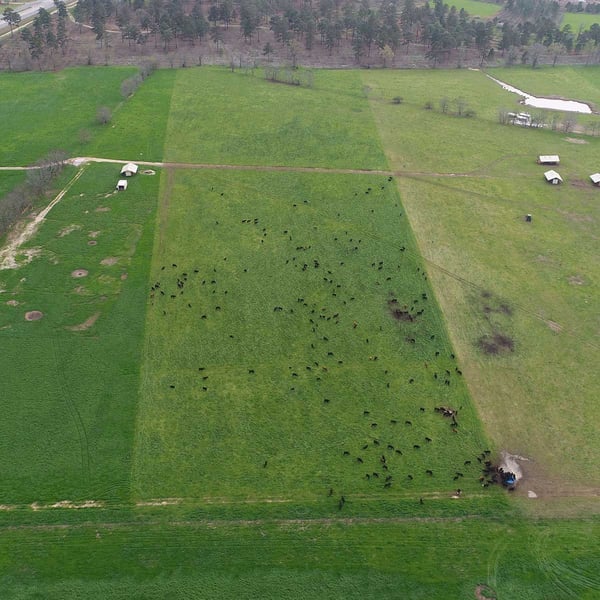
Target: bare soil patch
79	273
92	243
148	172
68	229
576	280
124	276
401	313
554	326
103	209
496	343
575	217
485	592
93	234
13	303
81	290
109	260
575	140
86	324
33	315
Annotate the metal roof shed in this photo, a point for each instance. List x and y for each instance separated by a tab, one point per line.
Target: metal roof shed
595	178
129	169
548	159
553	177
122	185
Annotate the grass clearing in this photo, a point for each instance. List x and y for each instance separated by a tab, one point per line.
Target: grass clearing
485	10
579	21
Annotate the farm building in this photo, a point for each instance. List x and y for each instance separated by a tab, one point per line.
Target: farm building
595	179
548	159
129	169
121	185
553	177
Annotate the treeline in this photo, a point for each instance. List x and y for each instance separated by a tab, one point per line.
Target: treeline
592	8
332	23
48	32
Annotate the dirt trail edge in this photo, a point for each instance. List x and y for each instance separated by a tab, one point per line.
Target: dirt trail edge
26	230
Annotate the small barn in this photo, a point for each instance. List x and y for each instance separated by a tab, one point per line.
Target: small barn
553	177
129	169
548	159
595	179
121	185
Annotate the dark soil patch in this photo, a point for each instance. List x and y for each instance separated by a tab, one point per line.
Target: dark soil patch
496	343
92	243
33	315
400	314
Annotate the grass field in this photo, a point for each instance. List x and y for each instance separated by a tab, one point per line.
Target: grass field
579	21
70	98
259	341
485	10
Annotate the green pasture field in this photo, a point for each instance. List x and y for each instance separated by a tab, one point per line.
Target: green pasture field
236	490
46	111
484	10
493	272
222	117
69	396
9	180
279	346
579	21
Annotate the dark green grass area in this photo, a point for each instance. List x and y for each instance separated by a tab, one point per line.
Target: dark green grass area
274	365
69	396
46	111
137	130
9	180
223	117
443	559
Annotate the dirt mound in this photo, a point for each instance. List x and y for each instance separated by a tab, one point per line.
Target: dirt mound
92	243
33	315
12	303
109	260
485	592
576	280
79	273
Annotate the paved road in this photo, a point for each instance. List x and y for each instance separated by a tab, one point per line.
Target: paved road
27	11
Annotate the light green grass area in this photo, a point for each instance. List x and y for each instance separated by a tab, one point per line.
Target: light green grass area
438	559
46	111
69	397
477	9
273	341
493	272
579	21
9	180
222	117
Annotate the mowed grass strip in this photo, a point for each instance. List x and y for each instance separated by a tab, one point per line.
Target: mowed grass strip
535	283
137	130
222	117
293	345
477	9
68	99
70	379
438	558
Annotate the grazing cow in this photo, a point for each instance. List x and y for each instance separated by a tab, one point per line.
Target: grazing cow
416	446
389	484
408	422
427	439
346	453
429	472
409	477
398	451
264	464
359	460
